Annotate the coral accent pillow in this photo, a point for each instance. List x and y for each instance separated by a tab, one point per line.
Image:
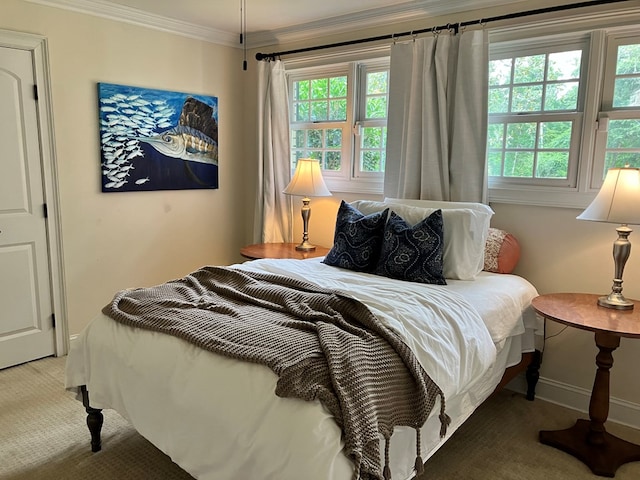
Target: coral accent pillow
501	252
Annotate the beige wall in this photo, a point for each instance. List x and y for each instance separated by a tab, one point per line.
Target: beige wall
559	254
117	240
113	241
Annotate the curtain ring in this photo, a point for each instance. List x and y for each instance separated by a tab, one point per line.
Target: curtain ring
393	38
413	36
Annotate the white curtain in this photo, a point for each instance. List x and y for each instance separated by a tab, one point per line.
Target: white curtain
437	123
273	214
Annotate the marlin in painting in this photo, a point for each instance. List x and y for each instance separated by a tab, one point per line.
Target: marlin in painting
194	138
156	139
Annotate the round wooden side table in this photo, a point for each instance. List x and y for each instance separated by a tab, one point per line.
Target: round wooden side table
280	250
588	440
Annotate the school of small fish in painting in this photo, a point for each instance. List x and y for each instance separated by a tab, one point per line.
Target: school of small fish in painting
157	140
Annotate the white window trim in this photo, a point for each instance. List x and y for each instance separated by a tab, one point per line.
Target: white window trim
349	180
575	193
597	27
594	25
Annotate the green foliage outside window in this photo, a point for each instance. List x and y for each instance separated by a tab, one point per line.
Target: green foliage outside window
623	144
623	137
373	149
377	95
320	99
533	84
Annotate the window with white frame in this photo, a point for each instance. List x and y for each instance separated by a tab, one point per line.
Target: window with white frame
339	116
535	114
618	133
563	109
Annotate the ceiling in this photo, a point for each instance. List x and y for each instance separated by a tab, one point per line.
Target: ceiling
268	21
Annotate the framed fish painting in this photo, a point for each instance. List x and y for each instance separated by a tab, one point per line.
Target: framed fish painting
156	139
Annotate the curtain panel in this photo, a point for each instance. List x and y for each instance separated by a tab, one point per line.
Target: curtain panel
437	121
273	221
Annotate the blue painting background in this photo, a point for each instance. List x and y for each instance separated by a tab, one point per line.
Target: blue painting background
128	164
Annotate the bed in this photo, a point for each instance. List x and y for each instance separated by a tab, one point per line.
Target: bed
219	418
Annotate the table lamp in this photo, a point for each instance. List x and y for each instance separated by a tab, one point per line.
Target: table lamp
618	201
307	182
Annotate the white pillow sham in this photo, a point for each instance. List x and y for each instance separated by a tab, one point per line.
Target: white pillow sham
465	233
479	207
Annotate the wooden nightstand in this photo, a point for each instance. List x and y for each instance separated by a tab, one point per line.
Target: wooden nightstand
280	250
588	440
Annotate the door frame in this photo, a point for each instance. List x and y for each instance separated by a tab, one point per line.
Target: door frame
37	44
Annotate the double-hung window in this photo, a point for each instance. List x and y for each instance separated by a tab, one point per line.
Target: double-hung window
563	109
618	132
339	116
536	97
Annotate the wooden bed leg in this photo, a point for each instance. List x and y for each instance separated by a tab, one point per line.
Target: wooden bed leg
94	420
533	374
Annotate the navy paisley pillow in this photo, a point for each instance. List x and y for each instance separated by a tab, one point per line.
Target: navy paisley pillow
413	253
357	239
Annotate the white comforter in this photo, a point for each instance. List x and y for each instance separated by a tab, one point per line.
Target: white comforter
219	419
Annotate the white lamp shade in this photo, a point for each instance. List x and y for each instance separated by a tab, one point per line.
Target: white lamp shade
618	200
307	180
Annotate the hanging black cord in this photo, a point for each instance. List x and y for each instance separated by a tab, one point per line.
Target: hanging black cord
454	26
243	32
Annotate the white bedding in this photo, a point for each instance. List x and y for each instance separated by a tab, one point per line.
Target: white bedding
219	419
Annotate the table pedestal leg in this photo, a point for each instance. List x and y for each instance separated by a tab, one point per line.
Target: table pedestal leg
588	440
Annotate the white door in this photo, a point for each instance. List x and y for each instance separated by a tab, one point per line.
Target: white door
26	320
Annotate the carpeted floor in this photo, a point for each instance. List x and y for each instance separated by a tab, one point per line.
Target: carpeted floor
43	437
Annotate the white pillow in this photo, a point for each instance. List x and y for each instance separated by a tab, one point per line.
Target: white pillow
480	207
465	233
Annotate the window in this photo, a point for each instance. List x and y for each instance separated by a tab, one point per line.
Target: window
618	135
339	116
535	115
563	109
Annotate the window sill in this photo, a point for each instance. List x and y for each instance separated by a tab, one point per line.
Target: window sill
368	187
542	197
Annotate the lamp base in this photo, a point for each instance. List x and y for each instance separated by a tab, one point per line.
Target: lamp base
305	247
615	301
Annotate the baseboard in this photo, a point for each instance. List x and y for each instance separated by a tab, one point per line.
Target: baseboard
576	398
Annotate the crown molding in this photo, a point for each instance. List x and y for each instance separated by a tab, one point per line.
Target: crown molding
378	17
372	18
139	18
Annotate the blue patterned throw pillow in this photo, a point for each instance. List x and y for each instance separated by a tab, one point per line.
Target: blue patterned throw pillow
413	253
357	239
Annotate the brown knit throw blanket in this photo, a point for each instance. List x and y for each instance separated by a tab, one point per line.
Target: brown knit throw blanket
322	345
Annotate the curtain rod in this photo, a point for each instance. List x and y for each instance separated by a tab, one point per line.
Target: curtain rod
449	26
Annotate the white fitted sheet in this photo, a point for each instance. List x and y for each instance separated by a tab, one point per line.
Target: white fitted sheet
218	418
